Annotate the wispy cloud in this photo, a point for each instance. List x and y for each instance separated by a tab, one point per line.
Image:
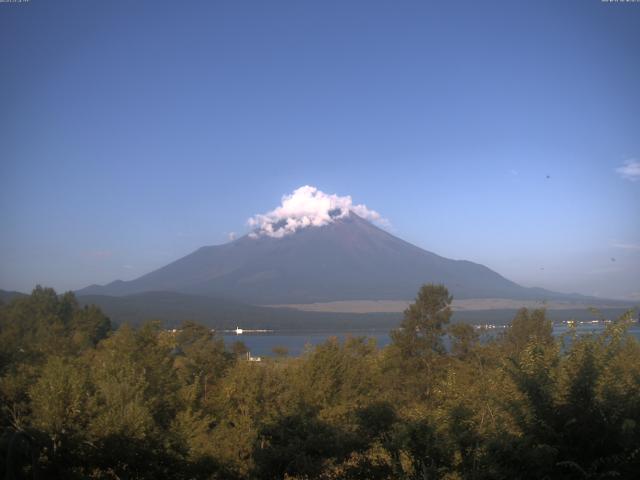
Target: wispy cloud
231	236
626	246
308	207
630	170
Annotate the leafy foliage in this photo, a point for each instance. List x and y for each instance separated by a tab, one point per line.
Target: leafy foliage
82	400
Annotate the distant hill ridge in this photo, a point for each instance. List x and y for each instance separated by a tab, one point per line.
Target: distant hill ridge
172	309
6	296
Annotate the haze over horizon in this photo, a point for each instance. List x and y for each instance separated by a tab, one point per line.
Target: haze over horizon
498	133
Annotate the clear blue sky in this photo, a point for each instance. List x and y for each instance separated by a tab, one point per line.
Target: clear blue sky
133	132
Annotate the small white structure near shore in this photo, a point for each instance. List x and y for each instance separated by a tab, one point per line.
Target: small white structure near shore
253	359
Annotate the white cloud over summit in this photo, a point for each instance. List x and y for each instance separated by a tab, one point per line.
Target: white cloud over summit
307	207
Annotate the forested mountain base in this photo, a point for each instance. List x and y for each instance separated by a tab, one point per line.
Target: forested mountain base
80	400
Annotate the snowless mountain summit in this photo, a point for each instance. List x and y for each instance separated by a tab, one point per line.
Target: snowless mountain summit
318	248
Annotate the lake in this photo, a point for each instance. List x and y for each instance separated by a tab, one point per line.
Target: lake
262	344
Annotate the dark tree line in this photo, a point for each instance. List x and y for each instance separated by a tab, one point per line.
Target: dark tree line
80	399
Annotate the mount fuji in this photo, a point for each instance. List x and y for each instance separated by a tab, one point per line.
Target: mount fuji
346	258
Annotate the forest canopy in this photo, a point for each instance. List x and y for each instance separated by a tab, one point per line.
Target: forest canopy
80	399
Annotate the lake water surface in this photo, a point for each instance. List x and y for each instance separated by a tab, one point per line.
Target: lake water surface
262	344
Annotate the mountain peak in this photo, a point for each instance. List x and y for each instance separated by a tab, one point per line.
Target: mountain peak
316	247
343	258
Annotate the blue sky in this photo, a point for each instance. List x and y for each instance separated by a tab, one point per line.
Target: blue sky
132	133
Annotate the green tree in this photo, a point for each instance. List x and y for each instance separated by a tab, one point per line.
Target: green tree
121	402
58	398
422	328
88	326
528	327
464	340
297	446
203	360
59	414
417	351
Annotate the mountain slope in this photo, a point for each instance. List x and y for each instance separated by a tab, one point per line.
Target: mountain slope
344	260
